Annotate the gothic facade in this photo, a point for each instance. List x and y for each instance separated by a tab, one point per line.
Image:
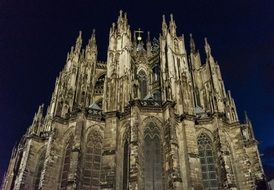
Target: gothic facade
154	116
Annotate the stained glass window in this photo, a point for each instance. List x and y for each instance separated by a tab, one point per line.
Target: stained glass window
208	165
125	166
153	159
92	162
66	165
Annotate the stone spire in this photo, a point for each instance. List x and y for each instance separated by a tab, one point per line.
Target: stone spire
148	45
37	121
172	26
207	48
91	48
122	22
164	26
78	44
192	44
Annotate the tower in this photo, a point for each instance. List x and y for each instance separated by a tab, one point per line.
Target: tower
153	116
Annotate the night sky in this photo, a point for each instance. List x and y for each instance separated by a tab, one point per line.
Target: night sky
35	38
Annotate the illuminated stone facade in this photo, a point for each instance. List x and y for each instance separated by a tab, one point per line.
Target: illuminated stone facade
151	117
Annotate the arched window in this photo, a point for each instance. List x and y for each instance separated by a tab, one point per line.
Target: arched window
208	164
153	159
143	84
156	73
99	86
66	165
92	162
125	166
39	168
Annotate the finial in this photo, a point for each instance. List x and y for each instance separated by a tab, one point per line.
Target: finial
79	39
207	47
206	40
93	31
134	36
164	18
246	116
121	12
148	36
164	26
171	17
125	15
192	43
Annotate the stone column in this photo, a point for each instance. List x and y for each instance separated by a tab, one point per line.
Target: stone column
108	164
74	171
135	177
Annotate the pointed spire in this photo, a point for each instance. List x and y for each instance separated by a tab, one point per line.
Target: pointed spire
79	38
40	110
246	117
90	52
192	44
92	40
37	119
148	36
122	23
120	15
148	45
164	26
172	25
207	48
78	42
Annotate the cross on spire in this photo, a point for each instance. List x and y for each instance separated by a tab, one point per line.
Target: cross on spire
139	32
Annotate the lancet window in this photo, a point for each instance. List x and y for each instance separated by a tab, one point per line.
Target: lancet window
153	158
126	165
66	164
92	161
208	164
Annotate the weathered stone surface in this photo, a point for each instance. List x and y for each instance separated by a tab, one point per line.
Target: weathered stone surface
107	121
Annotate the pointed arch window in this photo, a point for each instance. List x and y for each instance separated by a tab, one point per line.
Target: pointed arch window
66	165
143	84
208	164
126	165
39	169
92	161
153	158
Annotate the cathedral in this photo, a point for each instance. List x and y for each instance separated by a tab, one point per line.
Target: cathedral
153	116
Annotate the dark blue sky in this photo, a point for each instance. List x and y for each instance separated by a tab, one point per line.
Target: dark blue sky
35	38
